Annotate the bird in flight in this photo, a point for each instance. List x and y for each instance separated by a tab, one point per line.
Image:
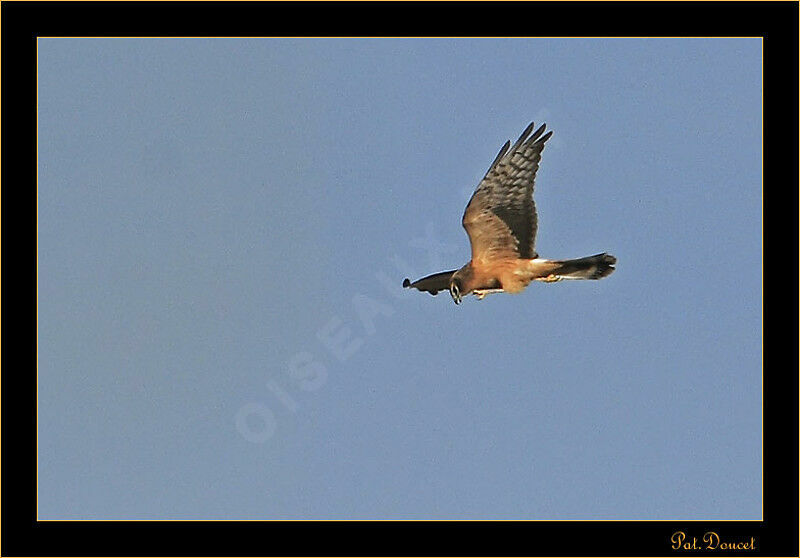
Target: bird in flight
500	220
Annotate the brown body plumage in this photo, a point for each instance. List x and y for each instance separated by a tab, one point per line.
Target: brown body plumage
501	222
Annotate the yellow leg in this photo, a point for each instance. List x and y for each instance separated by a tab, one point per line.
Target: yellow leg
480	294
550	279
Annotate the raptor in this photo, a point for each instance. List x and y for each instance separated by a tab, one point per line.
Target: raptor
501	222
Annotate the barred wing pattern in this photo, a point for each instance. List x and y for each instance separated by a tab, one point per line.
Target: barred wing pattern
500	218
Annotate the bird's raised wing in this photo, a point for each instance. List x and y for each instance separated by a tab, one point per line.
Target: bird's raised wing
500	218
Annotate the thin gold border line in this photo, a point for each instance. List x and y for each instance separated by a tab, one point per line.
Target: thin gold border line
379	37
404	520
37	280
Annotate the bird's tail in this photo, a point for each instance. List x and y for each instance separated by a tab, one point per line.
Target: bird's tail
590	267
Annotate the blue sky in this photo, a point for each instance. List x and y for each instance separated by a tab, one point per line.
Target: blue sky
224	226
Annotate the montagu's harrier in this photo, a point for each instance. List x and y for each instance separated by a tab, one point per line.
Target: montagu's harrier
500	220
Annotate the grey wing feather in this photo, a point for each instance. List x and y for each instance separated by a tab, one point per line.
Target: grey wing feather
507	188
499	156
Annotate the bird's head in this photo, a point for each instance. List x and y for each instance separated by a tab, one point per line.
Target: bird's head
460	283
455	289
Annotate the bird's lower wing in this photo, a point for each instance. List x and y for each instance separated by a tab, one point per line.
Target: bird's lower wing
432	283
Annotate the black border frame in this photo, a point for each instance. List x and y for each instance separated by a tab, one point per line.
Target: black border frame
22	22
